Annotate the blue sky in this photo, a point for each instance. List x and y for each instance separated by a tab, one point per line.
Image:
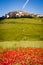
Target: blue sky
33	6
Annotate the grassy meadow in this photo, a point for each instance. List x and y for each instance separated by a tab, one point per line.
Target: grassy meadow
21	32
21	29
22	44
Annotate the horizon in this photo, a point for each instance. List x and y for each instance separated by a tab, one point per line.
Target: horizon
33	6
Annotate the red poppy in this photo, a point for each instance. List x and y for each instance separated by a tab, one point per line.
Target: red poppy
22	56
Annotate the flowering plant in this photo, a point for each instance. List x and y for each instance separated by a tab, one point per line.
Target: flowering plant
22	56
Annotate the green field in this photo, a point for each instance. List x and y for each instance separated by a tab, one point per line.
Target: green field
21	29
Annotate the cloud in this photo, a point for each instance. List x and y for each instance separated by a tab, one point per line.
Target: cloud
25	3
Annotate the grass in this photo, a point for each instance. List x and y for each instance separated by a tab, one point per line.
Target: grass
21	32
21	29
24	44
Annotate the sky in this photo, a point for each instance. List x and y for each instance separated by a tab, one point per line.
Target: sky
33	6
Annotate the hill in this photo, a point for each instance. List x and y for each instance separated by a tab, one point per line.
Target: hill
21	29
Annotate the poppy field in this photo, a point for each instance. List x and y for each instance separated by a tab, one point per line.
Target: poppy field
21	41
22	56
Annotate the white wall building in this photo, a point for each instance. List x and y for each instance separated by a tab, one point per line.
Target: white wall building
7	16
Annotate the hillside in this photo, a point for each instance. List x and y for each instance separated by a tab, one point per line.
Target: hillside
21	29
